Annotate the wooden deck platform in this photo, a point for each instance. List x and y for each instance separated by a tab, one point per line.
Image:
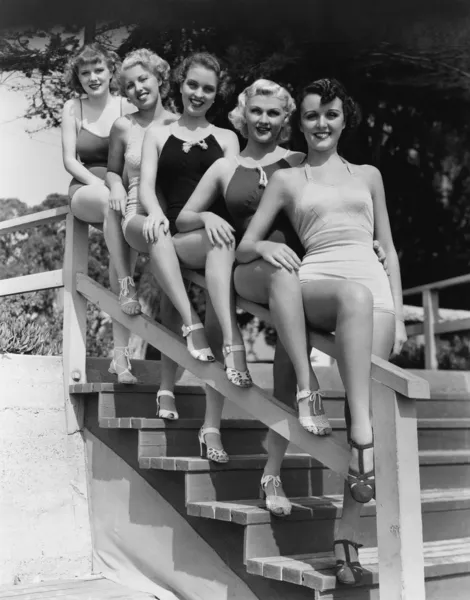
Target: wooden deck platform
95	588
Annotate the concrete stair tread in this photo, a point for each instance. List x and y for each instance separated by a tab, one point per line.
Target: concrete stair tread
95	387
250	512
316	571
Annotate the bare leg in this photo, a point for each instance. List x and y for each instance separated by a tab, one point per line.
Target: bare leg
349	525
195	251
260	282
346	308
214	400
170	318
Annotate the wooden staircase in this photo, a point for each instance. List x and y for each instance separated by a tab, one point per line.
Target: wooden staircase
295	552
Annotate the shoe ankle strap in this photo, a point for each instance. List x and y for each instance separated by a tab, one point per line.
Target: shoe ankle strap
187	329
124	283
205	430
312	394
121	350
165	393
235	348
274	479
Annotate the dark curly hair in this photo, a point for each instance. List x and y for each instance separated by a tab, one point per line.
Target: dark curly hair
91	54
199	59
328	90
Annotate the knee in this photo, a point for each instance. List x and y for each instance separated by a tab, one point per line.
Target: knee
282	277
356	298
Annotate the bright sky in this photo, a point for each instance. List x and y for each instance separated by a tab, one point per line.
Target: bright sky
30	164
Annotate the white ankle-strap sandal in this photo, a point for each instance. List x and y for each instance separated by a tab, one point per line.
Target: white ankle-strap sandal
213	454
124	375
163	413
128	301
239	378
279	506
317	423
204	354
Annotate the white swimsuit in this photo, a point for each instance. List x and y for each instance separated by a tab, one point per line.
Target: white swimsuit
132	159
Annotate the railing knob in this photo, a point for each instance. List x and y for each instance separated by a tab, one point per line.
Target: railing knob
76	375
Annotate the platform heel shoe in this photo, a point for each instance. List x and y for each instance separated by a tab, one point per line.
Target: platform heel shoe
163	413
278	506
124	375
239	378
213	454
317	424
361	483
348	572
204	354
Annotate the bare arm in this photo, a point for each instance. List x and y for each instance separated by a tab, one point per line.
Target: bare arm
229	143
148	173
383	233
276	196
114	175
210	186
69	146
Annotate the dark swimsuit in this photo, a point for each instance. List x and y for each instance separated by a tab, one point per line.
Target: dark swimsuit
180	168
92	151
242	198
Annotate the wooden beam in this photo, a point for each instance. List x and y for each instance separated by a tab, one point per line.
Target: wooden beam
437	285
440	327
399	521
74	327
32	283
431	312
329	450
33	220
407	384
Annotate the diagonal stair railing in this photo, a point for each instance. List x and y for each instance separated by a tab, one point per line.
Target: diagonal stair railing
394	394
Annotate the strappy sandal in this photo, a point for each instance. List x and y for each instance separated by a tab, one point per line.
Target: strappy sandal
204	354
124	375
361	484
348	572
126	300
163	413
317	424
239	378
278	506
213	454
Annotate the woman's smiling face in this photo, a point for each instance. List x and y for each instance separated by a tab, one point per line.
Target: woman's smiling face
198	90
321	124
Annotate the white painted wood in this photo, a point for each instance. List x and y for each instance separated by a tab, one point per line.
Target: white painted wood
440	327
431	312
399	522
74	329
405	383
31	283
39	218
330	451
437	285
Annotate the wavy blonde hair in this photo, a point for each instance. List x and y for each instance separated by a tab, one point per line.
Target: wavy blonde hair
91	54
263	87
151	62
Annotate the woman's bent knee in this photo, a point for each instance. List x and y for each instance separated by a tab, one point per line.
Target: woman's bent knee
355	296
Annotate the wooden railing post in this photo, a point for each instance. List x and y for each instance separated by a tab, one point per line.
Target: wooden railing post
75	306
399	523
431	317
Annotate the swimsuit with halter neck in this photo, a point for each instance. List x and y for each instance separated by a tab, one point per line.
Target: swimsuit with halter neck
242	198
181	166
132	160
335	224
92	151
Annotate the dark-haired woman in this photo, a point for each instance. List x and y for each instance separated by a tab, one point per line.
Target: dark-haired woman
86	126
336	208
174	158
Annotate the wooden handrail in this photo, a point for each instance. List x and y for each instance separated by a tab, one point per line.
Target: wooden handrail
32	283
437	285
34	219
407	384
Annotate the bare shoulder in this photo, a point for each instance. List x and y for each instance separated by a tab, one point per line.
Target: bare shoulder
286	179
370	173
295	158
72	107
225	136
121	125
158	133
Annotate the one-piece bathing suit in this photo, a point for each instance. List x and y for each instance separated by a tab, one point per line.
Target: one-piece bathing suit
242	198
132	160
92	151
335	224
180	168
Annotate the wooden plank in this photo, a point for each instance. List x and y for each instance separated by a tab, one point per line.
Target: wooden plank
273	413
35	282
407	384
74	327
33	220
431	311
399	521
437	285
440	327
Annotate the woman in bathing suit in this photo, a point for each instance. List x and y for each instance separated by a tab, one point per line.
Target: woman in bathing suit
336	208
86	124
174	159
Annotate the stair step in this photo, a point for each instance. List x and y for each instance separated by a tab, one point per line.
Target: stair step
185	424
316	571
248	512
